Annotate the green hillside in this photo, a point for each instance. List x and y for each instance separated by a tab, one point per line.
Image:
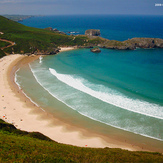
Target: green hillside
21	146
30	40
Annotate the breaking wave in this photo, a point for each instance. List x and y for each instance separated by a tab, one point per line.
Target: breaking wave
110	96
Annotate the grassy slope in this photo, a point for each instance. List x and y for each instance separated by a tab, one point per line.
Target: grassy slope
20	146
30	39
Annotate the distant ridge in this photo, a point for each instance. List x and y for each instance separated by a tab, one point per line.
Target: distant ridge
18	18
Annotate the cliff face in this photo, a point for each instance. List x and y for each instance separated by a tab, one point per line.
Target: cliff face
133	43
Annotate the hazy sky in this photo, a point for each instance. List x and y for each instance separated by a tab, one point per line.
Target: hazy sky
61	7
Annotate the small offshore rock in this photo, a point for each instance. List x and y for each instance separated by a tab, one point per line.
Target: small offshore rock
95	50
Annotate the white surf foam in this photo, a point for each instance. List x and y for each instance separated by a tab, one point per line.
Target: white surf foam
110	96
40	59
138	130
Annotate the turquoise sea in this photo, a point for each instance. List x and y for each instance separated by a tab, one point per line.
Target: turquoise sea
118	88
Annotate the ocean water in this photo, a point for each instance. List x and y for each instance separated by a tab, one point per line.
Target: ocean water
112	27
118	88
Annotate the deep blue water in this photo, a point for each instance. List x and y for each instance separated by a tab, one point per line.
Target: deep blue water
112	27
119	88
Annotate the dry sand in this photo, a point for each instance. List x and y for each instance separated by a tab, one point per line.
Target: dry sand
15	108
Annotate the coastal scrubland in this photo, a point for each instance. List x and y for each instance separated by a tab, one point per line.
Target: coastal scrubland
22	146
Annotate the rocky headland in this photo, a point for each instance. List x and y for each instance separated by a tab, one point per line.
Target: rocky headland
129	44
133	43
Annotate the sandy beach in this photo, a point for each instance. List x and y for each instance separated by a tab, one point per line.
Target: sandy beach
17	109
67	48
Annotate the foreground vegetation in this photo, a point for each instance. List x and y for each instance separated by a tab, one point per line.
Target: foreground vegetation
21	146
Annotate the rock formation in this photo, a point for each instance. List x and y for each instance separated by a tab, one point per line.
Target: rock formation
92	32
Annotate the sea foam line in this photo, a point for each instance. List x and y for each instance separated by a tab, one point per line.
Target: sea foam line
115	126
116	99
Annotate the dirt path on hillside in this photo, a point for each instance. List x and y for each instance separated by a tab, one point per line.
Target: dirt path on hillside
11	44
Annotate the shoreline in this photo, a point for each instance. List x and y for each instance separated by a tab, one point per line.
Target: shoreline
67	48
26	116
